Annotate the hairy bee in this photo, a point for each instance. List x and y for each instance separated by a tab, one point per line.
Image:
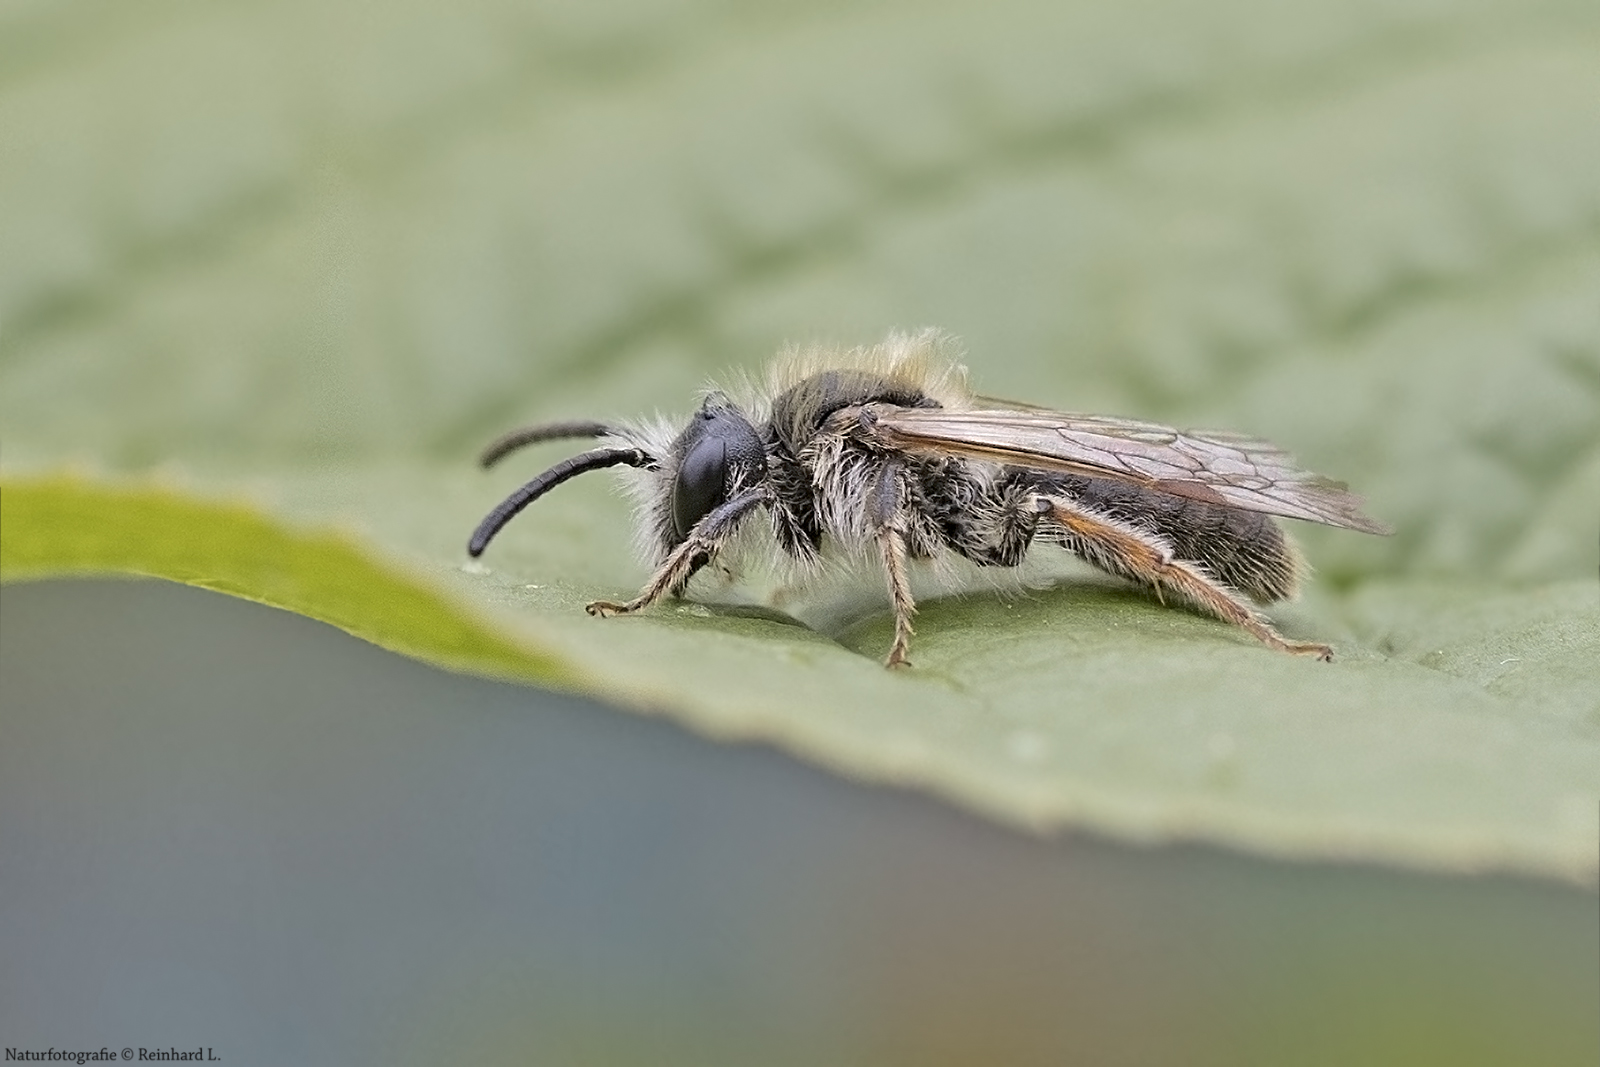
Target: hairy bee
884	451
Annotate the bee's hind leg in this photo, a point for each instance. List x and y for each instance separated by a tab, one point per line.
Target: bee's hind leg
707	538
1130	553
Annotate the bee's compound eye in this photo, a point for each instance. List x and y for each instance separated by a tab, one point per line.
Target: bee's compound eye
702	477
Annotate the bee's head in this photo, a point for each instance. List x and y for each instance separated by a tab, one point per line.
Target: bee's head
716	455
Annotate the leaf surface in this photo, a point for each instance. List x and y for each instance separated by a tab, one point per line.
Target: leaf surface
269	275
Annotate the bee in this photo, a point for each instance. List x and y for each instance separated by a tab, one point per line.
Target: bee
884	452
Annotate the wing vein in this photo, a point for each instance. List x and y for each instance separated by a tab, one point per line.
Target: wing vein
1216	467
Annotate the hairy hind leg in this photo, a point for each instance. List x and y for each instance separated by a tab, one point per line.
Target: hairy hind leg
1130	553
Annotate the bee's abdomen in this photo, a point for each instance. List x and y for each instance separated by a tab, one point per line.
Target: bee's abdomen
1244	549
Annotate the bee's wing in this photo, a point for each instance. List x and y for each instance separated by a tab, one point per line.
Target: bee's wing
1220	468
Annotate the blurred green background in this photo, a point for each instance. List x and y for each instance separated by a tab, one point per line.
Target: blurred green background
308	257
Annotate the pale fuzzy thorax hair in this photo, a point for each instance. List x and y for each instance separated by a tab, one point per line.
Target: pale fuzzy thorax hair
927	360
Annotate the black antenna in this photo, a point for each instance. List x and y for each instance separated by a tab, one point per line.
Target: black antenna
503	446
567	468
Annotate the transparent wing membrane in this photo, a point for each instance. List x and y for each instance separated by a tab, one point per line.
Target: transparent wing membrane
1230	470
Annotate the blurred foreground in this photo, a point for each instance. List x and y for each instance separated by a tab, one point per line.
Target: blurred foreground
223	825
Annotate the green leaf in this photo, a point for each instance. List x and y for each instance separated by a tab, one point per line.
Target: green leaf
270	275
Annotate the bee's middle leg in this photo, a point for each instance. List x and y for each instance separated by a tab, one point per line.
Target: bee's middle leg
892	543
890	521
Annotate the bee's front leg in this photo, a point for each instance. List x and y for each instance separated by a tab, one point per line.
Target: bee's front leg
708	537
671	577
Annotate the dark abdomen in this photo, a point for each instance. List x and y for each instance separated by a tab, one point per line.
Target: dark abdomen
1245	549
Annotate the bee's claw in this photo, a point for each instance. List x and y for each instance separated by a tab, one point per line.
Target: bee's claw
607	608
